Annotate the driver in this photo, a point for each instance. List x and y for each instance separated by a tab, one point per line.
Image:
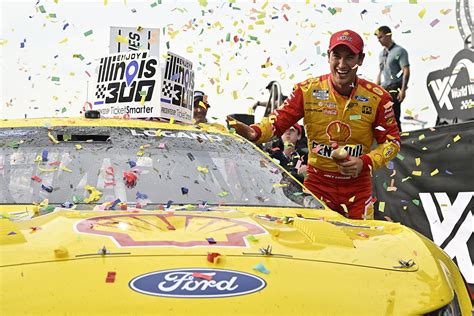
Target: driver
339	109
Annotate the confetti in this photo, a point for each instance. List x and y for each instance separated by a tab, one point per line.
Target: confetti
456	138
422	13
94	194
63	168
417	173
434	22
211	240
417	161
261	268
251	238
47	188
121	39
416	202
381	206
445	11
213	257
141	196
202	276
434	172
88	33
202	169
110	277
52	138
344	207
36	178
354	117
363	234
223	194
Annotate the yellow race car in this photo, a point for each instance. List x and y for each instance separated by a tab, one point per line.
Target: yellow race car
135	217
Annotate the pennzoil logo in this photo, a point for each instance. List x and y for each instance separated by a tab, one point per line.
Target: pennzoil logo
325	150
166	230
338	131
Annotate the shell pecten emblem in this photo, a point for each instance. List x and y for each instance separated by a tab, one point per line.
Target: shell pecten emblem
338	131
170	230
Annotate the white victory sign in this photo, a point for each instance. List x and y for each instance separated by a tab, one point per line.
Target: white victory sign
441	229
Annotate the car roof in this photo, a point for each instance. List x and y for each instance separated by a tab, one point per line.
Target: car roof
110	122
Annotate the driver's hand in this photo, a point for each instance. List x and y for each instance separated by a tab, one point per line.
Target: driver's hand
242	129
351	167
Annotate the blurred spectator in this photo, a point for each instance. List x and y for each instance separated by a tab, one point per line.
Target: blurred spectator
395	68
200	107
289	155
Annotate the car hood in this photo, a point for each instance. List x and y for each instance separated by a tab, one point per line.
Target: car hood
293	233
307	254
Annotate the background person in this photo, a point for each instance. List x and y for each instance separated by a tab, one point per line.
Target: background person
394	67
288	153
338	108
200	107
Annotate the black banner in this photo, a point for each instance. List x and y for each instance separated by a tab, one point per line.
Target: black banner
452	89
430	188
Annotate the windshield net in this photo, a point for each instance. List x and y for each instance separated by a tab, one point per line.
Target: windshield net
94	165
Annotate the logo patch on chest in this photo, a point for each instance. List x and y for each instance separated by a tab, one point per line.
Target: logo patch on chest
321	94
366	109
361	98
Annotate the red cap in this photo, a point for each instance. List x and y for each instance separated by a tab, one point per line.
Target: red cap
297	127
349	38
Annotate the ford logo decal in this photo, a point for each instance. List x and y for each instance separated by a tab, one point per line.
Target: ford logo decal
361	98
197	283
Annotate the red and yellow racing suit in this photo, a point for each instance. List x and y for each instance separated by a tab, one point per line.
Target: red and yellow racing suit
352	122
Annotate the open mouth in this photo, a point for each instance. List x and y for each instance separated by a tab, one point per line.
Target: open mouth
342	73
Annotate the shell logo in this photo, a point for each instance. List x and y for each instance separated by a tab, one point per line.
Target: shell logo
377	90
170	230
338	131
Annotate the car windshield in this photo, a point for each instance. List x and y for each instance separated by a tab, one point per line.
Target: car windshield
146	167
